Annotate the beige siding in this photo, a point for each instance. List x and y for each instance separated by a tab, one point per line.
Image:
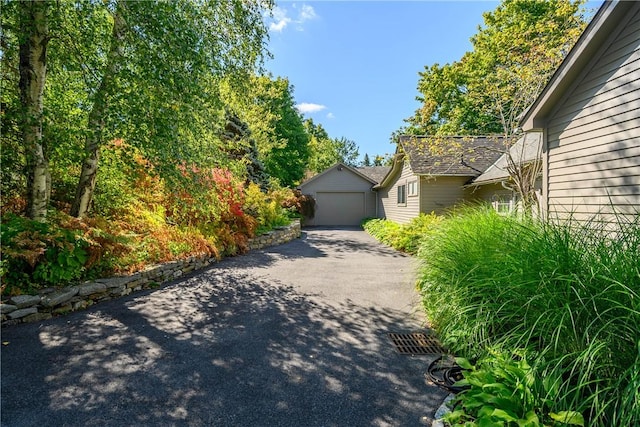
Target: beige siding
437	194
388	196
340	181
488	192
502	199
593	137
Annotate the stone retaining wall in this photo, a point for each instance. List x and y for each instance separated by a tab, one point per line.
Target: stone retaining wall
51	302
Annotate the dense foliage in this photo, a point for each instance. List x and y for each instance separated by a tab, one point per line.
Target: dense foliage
324	151
547	311
406	237
563	296
139	132
154	225
146	73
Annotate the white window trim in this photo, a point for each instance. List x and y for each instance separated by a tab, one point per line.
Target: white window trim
504	205
402	202
412	188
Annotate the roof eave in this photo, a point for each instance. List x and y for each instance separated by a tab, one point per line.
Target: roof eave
353	170
398	160
486	182
447	174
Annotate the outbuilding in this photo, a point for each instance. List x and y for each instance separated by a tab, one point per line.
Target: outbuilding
344	195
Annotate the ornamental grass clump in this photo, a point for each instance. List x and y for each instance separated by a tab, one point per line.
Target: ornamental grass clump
568	293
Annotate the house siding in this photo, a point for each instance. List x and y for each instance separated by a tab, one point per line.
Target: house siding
593	136
496	195
439	193
489	192
388	197
341	180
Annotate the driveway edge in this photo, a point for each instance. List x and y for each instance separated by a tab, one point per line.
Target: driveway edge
51	301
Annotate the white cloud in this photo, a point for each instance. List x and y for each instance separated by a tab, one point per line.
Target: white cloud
307	107
307	13
331	116
281	19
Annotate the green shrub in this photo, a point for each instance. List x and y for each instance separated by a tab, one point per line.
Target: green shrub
568	293
407	237
505	389
267	208
383	230
37	255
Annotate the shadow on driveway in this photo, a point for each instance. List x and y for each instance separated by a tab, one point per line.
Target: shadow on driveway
221	348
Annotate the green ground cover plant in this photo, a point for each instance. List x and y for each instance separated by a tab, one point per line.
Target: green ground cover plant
505	389
566	294
407	237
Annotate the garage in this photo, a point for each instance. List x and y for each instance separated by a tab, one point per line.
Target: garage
343	194
333	208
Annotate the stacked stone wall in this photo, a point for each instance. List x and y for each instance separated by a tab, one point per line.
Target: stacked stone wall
51	302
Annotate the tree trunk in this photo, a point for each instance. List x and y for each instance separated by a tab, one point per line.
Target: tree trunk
93	141
33	72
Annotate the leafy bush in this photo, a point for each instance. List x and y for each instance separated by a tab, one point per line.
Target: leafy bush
125	177
268	209
37	255
567	293
406	237
300	205
150	239
384	230
212	200
504	389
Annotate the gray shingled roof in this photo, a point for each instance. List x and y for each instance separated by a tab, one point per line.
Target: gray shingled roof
525	150
451	155
376	173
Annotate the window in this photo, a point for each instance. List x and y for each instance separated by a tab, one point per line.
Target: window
503	204
412	188
402	194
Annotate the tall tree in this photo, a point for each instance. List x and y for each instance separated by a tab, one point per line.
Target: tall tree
287	161
366	161
514	54
97	116
33	16
242	147
268	108
321	151
325	151
145	72
346	150
158	82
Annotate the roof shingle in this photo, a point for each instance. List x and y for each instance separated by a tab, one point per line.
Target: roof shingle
376	173
527	149
451	155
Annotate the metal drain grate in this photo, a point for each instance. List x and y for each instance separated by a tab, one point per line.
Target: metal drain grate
416	343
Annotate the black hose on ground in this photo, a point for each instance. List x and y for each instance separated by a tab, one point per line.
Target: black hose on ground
445	372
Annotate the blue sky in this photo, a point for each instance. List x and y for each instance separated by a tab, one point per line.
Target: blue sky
355	64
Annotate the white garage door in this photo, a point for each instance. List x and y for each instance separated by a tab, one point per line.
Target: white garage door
339	208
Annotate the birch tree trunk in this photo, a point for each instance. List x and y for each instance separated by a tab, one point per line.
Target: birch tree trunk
33	73
94	139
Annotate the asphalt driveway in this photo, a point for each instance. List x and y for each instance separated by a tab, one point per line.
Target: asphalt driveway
294	335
